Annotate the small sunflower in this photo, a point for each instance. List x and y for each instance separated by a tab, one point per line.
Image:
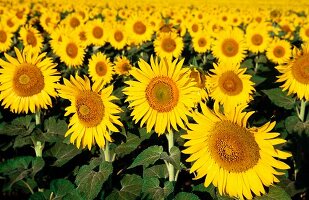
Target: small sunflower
201	42
96	32
31	37
200	79
229	85
162	95
279	51
28	82
235	159
100	69
71	52
118	36
295	73
5	39
168	45
230	46
122	65
257	38
304	33
139	30
94	114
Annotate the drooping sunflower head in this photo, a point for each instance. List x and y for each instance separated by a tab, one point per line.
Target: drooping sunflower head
229	85
27	82
122	66
162	94
295	73
94	114
168	45
223	149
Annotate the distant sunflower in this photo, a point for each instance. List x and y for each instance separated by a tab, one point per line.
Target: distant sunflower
100	69
118	37
279	51
235	159
229	85
168	45
200	79
201	42
230	46
71	52
94	114
10	22
304	33
139	30
295	74
257	38
5	39
96	32
28	82
57	36
122	65
162	95
31	37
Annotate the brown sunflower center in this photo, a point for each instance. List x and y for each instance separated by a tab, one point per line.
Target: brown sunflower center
101	68
307	32
31	39
168	45
279	51
199	78
10	23
74	22
194	28
202	42
230	47
162	94
230	83
82	36
233	147
3	36
19	14
257	39
97	32
90	108
118	35
139	28
125	67
47	20
286	28
28	80
300	69
72	50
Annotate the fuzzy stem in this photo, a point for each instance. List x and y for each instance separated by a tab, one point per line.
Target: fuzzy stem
38	148
302	110
256	64
107	152
170	167
38	117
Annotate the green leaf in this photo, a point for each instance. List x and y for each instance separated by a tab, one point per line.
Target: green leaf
186	196
131	188
247	64
19	126
274	193
262	59
130	145
45	195
158	171
21	141
173	158
280	98
290	123
54	130
258	79
61	187
210	189
294	125
63	152
17	163
219	197
143	134
152	190
37	164
148	157
89	182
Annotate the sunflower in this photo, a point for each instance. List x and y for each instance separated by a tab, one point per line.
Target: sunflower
5	39
73	20
28	82
10	22
118	36
194	26
31	37
94	114
122	65
304	33
71	52
96	32
162	95
139	29
235	159
295	74
100	69
200	79
229	86
279	51
230	46
168	45
201	42
49	20
257	38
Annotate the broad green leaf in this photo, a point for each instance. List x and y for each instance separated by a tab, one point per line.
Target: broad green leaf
186	196
294	125
274	193
219	197
89	182
158	171
258	79
21	141
152	190
130	145
45	195
131	188
290	123
247	64
262	59
210	189
63	152
54	129
37	164
19	126
143	134
17	163
173	158
61	187
280	98
148	157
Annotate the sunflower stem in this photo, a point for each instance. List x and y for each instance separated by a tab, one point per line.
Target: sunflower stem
38	117
302	110
38	148
170	167
256	64
106	151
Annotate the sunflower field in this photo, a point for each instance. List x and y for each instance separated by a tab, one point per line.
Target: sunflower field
153	99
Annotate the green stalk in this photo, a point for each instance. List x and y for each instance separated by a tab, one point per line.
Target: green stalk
256	64
106	151
302	110
170	167
38	117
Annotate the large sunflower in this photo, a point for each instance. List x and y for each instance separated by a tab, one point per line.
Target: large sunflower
295	74
168	45
230	46
28	82
279	51
229	85
94	114
162	95
235	159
